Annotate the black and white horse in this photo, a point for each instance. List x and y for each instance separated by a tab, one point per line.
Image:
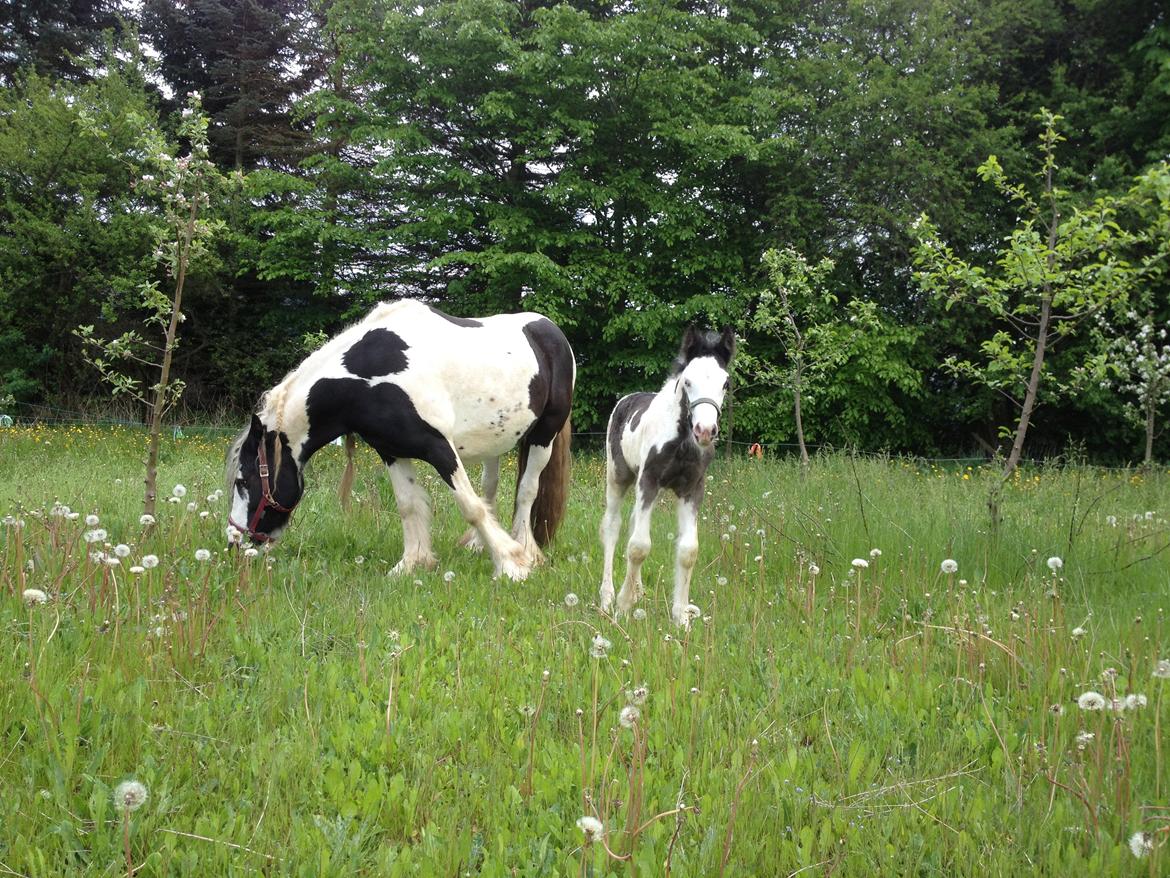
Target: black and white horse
417	384
664	440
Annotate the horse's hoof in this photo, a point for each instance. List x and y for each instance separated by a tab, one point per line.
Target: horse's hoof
514	571
606	599
409	565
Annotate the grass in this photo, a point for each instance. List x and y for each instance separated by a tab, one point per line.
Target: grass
304	714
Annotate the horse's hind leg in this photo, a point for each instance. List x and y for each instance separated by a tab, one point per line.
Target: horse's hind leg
638	546
414	506
686	553
489	487
611	529
534	459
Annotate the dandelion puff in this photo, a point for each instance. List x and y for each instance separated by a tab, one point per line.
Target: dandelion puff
1135	700
638	695
202	555
111	560
721	581
129	795
34	596
1054	563
949	566
149	561
1091	701
1078	632
875	553
592	828
91	520
692	612
629	716
571	600
600	647
1084	739
146	519
179	491
1140	844
449	576
122	550
191	507
233	533
860	563
137	568
251	552
172	499
814	570
1162	669
640	614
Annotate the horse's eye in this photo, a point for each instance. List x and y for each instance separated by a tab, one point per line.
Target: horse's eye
687	383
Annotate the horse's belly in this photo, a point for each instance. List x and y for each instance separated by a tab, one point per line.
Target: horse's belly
490	427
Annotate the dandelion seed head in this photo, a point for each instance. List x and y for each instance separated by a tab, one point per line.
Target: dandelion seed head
1162	669
1054	563
149	561
814	570
179	491
639	694
122	550
191	507
449	576
629	716
640	614
251	552
33	596
875	553
1140	844
860	563
137	568
129	795
1091	701
600	647
571	600
1078	632
591	827
202	555
1135	700
949	566
146	519
91	520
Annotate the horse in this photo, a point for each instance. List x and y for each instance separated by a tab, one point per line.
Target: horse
417	384
664	440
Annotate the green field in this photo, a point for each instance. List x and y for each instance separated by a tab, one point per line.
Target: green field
303	713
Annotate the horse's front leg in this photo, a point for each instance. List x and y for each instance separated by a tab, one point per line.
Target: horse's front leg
414	506
489	487
685	555
638	546
508	556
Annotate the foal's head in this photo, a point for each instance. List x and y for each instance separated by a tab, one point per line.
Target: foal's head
701	370
264	485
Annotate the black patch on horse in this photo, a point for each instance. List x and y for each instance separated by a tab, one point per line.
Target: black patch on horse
378	352
705	343
465	322
550	392
679	464
627	413
383	415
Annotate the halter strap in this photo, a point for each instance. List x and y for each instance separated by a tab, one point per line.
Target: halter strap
695	403
266	499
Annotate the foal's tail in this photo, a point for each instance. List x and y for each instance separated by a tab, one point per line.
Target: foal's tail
552	495
346	486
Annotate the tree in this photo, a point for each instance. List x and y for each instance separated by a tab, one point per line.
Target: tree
54	38
1060	265
184	186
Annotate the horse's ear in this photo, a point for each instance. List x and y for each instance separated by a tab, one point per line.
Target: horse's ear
692	339
727	343
255	430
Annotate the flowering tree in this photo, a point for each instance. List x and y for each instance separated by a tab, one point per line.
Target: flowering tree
1135	364
815	331
1061	265
180	187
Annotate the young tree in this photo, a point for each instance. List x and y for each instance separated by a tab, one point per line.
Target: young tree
1060	265
184	186
815	331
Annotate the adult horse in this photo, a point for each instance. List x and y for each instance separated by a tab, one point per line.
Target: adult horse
417	384
664	440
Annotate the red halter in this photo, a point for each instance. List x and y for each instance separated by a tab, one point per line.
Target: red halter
266	499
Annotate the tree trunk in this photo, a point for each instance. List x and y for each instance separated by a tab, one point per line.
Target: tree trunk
799	420
160	391
1033	389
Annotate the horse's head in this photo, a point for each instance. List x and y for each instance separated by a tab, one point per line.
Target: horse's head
264	486
701	367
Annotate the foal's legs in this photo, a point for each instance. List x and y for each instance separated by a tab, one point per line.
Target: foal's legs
414	506
611	529
686	553
489	486
638	546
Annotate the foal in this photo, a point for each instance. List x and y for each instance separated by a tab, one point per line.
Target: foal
664	440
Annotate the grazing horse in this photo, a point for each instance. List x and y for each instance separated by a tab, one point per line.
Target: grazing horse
664	440
417	384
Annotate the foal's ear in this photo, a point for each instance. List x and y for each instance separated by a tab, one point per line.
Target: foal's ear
726	344
691	342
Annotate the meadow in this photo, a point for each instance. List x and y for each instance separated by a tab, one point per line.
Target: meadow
845	704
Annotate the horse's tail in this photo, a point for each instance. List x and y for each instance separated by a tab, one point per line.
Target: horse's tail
346	487
552	494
